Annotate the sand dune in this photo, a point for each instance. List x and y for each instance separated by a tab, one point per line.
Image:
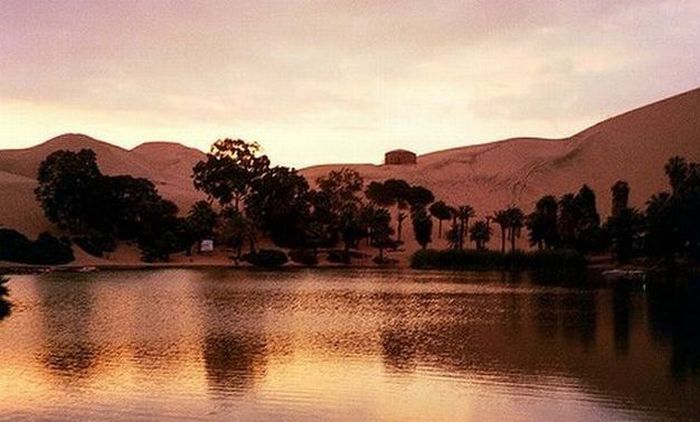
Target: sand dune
168	165
633	146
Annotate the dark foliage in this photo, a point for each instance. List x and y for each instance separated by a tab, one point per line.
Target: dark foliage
96	244
279	205
228	172
304	257
422	227
5	306
267	258
46	250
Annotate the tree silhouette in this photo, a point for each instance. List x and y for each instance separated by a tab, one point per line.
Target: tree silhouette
542	223
377	220
235	230
516	220
68	188
480	234
279	205
501	218
464	213
441	211
422	227
229	170
4	293
620	196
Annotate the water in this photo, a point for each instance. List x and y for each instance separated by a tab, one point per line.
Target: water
344	345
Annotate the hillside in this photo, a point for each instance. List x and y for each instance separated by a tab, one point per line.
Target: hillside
168	165
633	146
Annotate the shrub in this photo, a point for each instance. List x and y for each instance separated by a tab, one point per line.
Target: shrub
385	261
15	247
338	256
96	245
303	257
267	258
46	250
52	251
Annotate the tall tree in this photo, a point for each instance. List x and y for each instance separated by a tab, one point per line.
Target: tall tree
516	221
501	218
620	197
422	227
68	187
542	223
464	213
380	230
441	211
229	170
480	234
279	205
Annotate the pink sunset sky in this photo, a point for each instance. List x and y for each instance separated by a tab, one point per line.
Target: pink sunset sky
335	81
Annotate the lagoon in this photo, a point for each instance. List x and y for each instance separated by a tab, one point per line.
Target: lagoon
345	345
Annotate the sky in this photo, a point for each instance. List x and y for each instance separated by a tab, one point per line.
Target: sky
335	81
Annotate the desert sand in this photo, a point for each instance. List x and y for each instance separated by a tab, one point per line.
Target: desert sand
633	146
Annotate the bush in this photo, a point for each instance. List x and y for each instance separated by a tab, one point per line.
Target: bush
53	251
96	245
386	261
561	259
15	247
303	257
267	258
46	250
338	256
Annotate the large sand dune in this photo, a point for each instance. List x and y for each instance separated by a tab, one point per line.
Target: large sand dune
633	146
168	165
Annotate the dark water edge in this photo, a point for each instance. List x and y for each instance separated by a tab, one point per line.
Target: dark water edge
347	345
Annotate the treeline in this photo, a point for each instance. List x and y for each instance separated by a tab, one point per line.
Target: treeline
248	199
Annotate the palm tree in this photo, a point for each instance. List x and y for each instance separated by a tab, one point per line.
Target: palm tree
464	213
516	220
441	211
620	196
500	217
480	233
677	171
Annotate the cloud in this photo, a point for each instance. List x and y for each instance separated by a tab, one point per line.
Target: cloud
306	76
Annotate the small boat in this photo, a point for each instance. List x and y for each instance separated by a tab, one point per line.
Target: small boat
87	269
625	275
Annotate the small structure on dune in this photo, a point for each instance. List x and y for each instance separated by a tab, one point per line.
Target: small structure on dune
400	157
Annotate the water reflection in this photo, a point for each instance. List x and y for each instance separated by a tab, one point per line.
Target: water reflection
674	318
347	345
67	313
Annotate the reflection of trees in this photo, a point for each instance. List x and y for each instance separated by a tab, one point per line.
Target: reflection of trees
399	350
234	346
674	316
581	321
621	318
232	361
67	304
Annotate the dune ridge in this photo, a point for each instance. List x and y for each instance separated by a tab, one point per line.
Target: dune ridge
633	146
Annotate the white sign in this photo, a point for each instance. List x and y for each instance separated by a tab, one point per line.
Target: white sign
207	245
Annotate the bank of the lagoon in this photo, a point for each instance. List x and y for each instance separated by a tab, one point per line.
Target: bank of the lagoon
216	344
